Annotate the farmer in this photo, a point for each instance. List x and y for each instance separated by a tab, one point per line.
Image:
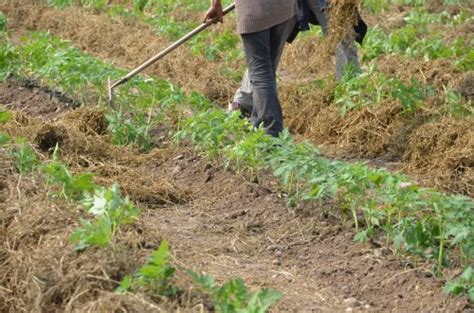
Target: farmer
314	12
264	26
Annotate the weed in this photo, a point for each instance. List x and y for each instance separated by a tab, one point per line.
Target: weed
60	3
140	5
9	59
25	157
5	116
155	275
97	233
126	130
4	139
234	296
110	210
108	202
464	284
3	22
70	186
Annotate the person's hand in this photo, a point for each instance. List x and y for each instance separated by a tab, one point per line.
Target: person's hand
215	13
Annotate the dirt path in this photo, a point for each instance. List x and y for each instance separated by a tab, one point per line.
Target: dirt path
236	228
227	227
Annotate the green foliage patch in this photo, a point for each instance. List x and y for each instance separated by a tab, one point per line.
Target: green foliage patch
24	157
234	296
155	275
110	210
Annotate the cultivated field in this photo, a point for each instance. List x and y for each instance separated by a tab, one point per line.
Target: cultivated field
165	202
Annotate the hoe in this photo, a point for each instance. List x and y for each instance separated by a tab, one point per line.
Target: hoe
162	54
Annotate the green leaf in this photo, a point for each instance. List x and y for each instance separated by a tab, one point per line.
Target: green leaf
468	274
205	282
4	139
263	300
125	285
5	116
84	182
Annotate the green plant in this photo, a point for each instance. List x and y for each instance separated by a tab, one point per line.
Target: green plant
155	275
213	130
98	5
3	22
234	296
376	6
5	116
412	42
455	105
248	153
98	232
464	284
9	59
140	5
126	130
70	186
110	210
410	96
4	139
355	92
60	3
25	157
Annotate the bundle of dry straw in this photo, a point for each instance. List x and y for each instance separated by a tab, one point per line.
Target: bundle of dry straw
343	15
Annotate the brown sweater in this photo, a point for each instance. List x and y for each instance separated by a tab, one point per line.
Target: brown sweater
257	15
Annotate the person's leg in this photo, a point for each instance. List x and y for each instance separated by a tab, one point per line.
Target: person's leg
346	51
279	34
262	52
243	96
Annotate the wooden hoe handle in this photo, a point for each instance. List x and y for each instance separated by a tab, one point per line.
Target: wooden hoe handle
165	52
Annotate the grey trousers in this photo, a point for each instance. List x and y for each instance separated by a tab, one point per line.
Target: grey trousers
346	56
263	51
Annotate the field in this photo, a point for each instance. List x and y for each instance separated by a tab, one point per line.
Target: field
165	202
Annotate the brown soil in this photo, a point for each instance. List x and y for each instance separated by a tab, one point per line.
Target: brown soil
21	96
216	222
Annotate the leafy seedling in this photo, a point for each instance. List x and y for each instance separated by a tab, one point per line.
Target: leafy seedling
155	275
71	186
464	284
234	296
25	158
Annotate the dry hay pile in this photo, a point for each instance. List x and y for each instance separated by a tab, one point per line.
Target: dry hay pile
85	147
41	272
444	150
40	269
439	153
343	15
